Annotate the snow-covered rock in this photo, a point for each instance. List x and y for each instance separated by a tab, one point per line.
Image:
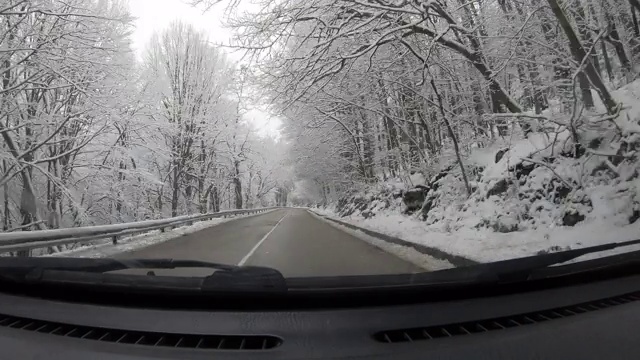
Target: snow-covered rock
414	198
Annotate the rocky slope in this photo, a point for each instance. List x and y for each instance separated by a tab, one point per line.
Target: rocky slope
547	180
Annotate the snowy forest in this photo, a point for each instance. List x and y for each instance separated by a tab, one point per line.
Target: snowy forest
92	135
474	117
386	89
432	103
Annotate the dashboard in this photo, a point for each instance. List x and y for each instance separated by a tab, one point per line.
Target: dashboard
598	320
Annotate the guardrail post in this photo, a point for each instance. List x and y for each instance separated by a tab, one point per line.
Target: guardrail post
115	240
163	230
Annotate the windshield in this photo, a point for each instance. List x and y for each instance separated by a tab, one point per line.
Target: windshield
317	138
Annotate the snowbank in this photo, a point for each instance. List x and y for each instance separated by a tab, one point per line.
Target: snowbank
484	245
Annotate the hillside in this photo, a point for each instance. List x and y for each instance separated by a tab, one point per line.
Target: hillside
536	194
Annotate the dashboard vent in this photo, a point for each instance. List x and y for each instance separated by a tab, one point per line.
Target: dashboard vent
219	342
481	326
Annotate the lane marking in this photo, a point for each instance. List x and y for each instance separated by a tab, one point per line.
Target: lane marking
253	250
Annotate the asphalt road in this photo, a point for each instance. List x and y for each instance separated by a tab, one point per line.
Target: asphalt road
290	240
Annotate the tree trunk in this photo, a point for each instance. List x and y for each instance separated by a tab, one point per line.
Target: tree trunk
215	199
453	138
390	131
175	191
585	90
367	148
631	28
237	184
607	62
28	207
584	32
498	95
634	18
159	200
247	191
6	221
202	197
616	42
540	102
188	196
6	80
121	167
578	53
380	141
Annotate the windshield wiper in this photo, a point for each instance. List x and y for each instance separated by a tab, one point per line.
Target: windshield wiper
92	271
520	269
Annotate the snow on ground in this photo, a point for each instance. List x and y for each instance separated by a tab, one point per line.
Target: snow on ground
484	245
105	248
406	253
516	212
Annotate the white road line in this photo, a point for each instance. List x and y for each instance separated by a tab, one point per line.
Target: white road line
253	250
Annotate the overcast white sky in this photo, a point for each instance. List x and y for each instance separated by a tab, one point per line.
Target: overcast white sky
155	15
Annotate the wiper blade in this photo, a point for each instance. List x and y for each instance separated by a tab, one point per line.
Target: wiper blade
521	268
121	264
106	265
92	271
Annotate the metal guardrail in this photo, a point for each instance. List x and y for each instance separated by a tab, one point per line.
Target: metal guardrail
29	240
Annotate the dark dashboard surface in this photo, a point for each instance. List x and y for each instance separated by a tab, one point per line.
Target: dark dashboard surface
594	321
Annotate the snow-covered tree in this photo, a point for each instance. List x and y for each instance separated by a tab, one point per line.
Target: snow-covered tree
372	90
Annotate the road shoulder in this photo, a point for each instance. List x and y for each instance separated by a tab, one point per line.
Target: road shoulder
424	261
